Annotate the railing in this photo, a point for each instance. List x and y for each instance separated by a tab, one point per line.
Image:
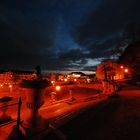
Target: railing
18	114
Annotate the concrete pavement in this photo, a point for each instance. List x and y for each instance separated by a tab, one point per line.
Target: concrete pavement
112	119
94	117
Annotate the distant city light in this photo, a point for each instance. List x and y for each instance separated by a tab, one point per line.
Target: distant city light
1	85
76	75
121	67
53	82
75	80
88	80
65	79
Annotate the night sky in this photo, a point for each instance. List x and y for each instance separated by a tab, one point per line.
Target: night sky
62	34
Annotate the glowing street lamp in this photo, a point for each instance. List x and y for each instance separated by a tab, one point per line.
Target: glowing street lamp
71	94
121	67
52	82
53	94
57	88
126	70
10	87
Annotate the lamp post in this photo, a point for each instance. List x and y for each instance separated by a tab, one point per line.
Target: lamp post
10	88
53	94
71	94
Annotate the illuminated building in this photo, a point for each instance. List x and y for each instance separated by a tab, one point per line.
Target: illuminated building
113	71
14	76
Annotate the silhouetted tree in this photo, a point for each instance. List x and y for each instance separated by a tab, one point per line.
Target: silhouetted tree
131	57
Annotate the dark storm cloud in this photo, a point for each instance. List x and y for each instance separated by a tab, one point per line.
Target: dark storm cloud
78	58
103	48
72	59
61	34
103	28
29	31
25	33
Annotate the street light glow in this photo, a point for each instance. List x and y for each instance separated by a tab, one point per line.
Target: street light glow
75	80
52	82
121	67
126	70
65	79
57	88
10	86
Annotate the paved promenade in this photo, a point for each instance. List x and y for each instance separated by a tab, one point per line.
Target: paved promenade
56	114
112	119
95	117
